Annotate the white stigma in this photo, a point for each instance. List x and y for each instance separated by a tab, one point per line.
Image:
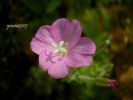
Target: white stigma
61	48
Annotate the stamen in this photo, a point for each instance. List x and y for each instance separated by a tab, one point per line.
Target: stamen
61	43
61	48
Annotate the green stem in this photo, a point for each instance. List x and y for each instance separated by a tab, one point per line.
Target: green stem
96	80
102	46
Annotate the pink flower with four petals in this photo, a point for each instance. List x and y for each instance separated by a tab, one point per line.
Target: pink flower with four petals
60	47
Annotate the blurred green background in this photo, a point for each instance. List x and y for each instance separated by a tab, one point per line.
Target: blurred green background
20	76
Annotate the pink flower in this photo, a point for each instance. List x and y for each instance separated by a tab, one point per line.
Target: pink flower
61	47
112	83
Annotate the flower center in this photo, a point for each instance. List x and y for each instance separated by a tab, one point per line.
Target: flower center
61	48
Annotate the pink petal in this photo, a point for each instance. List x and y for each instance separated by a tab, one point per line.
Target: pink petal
42	40
55	34
67	31
45	35
47	59
55	65
43	32
36	45
85	46
59	70
78	60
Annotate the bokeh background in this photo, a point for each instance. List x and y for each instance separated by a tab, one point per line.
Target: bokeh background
20	76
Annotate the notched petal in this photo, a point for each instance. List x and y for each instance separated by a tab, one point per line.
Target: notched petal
68	31
85	46
36	45
59	70
78	60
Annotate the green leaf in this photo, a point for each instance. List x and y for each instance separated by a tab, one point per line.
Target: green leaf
53	5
